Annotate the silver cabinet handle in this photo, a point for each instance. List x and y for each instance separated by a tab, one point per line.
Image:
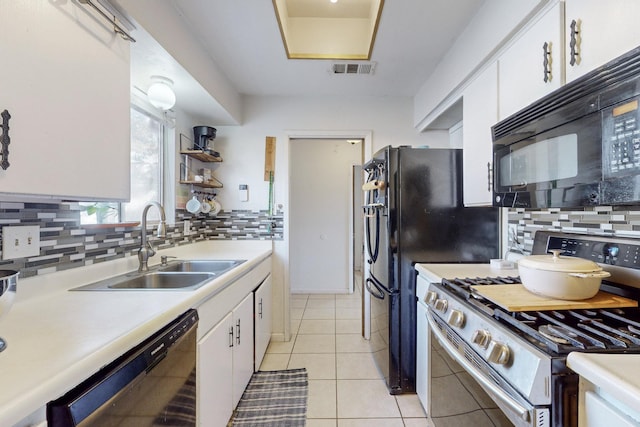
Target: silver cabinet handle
546	62
574	42
238	332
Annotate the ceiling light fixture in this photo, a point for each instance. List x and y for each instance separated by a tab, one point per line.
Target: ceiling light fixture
313	29
160	93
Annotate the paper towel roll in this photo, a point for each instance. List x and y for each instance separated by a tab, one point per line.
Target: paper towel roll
373	185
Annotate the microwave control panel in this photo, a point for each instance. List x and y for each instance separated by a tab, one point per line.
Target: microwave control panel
621	139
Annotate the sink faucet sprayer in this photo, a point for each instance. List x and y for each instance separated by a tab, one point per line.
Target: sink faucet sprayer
146	250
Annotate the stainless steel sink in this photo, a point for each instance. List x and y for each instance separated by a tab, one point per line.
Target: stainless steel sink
155	280
186	275
217	266
164	280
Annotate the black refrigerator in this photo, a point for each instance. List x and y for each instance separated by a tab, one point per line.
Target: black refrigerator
414	214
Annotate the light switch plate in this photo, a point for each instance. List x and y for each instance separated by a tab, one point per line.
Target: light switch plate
20	241
243	190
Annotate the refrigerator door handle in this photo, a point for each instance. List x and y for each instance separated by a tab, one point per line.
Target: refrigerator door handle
382	288
371	285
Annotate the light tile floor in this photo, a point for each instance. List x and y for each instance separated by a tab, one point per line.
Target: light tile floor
345	387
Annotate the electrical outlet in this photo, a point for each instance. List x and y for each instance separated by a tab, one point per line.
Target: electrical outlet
20	241
187	227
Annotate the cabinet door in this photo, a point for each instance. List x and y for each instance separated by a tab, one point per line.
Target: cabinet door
522	76
263	320
65	82
422	379
215	375
242	347
599	413
606	30
479	112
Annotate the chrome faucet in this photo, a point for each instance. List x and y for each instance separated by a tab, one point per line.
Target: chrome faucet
146	250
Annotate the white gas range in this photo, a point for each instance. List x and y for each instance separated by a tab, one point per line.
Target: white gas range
480	362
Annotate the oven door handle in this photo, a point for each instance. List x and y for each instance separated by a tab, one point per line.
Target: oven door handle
477	375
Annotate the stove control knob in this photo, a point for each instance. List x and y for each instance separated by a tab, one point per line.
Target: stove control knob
482	337
431	297
441	305
456	319
498	353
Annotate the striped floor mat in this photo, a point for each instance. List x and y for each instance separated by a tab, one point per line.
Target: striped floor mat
274	399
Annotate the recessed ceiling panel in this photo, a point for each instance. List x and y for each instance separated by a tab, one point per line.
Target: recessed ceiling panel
322	29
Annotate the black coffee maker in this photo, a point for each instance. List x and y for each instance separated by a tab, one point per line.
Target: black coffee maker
201	137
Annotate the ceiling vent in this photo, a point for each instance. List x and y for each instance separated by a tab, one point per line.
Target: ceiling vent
353	68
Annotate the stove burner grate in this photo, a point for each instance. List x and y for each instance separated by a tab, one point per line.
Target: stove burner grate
558	331
462	286
556	334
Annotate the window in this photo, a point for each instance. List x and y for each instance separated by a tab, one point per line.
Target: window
147	142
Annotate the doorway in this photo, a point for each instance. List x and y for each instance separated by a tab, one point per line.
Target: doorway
321	214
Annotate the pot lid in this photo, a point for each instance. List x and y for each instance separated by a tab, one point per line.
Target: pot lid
555	262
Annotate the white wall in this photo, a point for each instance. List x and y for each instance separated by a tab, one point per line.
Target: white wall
242	147
494	23
320	214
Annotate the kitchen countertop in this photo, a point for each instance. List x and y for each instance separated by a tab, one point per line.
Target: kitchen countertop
615	374
56	338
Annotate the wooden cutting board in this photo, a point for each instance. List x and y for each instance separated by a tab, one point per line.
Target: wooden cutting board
517	298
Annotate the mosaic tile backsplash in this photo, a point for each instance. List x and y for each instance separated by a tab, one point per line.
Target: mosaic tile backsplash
620	221
65	243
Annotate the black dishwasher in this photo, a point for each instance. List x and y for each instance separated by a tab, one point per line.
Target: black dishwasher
153	384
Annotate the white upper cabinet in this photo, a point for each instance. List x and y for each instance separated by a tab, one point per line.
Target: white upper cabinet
533	65
605	30
65	82
480	112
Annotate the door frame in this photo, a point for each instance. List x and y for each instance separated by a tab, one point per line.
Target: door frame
367	137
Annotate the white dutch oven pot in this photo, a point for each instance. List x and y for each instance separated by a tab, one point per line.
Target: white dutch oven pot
554	276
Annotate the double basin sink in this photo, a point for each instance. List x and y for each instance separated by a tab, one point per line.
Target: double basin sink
188	275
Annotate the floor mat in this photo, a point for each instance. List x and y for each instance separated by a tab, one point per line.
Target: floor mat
274	398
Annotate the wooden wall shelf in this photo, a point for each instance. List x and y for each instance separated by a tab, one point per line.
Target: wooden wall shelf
214	183
201	155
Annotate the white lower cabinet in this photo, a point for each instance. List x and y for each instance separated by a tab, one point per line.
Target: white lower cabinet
262	306
600	413
242	347
225	365
215	375
422	367
597	408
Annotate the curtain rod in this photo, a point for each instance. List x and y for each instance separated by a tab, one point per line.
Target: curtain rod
116	28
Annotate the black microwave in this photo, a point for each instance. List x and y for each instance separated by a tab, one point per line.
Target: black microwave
578	146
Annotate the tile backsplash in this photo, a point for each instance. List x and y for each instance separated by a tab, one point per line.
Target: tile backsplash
65	243
621	221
